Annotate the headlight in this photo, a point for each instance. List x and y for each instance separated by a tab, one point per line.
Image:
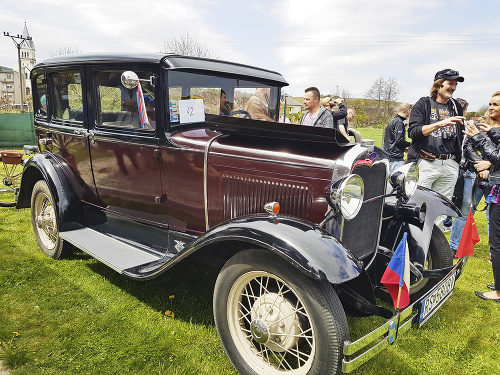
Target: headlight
405	177
346	195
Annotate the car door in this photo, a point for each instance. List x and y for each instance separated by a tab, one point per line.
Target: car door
124	146
68	124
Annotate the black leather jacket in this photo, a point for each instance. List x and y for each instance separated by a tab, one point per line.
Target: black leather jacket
489	146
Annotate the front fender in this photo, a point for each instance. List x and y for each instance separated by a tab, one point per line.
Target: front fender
306	246
419	236
46	167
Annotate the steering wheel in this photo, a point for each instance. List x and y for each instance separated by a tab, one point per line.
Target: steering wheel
240	114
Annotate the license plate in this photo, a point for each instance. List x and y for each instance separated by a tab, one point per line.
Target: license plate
436	298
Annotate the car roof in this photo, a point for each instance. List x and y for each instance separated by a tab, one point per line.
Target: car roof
170	62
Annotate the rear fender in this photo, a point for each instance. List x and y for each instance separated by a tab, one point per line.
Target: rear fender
47	167
307	247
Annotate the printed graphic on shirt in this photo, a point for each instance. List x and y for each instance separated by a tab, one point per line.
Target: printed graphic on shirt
440	112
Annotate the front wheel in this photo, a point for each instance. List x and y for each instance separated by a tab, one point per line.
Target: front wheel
438	256
45	222
272	319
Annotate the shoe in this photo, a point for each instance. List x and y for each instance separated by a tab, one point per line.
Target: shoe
482	296
492	287
446	229
448	221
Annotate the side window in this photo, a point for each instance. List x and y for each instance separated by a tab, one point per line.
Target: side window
122	107
220	96
40	97
66	101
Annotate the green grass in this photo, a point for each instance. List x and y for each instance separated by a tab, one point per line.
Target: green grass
77	316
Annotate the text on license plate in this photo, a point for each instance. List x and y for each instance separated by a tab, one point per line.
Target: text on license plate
436	298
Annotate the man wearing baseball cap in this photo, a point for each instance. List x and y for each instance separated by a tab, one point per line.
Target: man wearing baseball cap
436	124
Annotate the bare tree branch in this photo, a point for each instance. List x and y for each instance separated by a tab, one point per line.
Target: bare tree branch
187	45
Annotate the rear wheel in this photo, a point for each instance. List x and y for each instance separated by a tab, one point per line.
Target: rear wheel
45	222
272	319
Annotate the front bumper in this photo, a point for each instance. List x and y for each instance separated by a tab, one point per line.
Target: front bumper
360	351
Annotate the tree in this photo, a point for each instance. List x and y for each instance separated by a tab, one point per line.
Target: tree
65	51
391	91
385	92
376	91
189	46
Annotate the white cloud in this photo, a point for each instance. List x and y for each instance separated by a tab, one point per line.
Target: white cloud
324	43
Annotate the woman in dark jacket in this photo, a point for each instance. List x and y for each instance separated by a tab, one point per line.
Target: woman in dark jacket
488	142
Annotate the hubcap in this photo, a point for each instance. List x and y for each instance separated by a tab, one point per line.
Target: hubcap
259	330
45	220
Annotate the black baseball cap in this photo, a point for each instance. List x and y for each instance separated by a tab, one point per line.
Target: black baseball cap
449	74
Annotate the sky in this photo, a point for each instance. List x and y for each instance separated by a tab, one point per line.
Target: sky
333	45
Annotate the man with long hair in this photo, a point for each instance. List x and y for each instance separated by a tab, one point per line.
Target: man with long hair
436	124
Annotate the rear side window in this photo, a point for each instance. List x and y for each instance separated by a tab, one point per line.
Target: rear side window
67	102
122	107
40	96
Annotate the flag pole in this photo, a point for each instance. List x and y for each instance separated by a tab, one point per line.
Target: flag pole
399	297
397	311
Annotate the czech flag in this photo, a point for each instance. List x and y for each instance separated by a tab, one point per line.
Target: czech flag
470	237
396	277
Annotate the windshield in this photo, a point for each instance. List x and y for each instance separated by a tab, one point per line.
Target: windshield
192	95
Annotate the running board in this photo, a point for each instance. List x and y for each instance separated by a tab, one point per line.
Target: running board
120	256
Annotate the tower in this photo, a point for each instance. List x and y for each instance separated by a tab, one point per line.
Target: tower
28	59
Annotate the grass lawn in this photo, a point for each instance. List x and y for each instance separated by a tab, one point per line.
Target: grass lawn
77	316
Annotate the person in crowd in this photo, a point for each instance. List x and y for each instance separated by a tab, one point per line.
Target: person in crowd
395	142
351	115
338	111
487	141
465	183
258	104
436	125
315	115
224	104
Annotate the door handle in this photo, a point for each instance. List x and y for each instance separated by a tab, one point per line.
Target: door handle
84	132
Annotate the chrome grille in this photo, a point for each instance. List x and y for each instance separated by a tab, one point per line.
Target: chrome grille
245	196
361	234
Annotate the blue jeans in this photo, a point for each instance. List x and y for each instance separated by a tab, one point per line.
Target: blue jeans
393	165
459	222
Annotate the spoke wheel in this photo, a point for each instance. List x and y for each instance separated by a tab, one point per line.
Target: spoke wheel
45	222
272	319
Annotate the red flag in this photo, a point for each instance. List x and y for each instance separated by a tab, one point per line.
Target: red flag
470	237
396	277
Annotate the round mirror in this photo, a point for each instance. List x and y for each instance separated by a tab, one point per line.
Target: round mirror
129	79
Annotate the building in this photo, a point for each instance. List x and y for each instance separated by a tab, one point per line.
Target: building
7	85
9	78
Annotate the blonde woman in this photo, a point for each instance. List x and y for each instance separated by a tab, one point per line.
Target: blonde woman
486	139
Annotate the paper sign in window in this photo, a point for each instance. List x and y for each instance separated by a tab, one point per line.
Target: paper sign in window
191	110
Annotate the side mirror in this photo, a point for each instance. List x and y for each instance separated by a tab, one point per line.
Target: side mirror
129	79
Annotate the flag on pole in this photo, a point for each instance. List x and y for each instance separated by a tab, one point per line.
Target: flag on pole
470	237
396	277
141	106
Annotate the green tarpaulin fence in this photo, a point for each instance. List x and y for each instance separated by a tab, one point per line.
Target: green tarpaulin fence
16	130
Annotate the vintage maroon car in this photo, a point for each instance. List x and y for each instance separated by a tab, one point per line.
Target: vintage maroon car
146	160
